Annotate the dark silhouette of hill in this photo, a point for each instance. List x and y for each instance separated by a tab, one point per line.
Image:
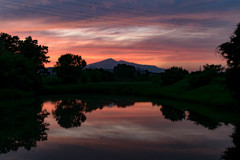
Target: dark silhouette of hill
109	64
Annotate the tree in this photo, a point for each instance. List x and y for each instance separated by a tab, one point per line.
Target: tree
9	43
213	68
231	52
205	77
21	62
69	67
29	48
173	75
97	75
124	72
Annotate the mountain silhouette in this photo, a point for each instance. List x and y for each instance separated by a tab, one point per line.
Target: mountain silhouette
109	64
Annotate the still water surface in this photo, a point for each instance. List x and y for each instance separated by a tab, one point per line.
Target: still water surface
74	129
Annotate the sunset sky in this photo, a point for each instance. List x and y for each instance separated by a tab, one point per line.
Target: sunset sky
158	32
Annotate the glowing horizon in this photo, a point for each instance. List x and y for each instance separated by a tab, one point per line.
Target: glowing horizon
163	33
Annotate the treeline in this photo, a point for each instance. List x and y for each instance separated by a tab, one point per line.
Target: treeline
22	67
209	75
70	70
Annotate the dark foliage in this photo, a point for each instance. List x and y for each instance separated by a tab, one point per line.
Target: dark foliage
97	75
69	68
21	62
231	52
16	71
124	72
205	77
28	48
204	121
173	75
172	113
233	81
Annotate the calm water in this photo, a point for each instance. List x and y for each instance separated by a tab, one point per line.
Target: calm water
109	129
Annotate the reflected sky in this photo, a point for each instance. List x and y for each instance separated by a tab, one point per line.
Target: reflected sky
134	132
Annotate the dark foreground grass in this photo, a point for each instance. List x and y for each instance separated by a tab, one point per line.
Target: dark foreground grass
15	93
213	94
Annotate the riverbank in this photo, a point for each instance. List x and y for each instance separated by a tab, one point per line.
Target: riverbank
213	94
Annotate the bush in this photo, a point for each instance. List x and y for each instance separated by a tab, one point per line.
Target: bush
199	79
173	75
124	72
205	77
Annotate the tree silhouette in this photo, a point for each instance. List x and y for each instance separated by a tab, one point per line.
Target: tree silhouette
205	77
97	75
124	72
29	48
69	67
173	75
9	43
231	52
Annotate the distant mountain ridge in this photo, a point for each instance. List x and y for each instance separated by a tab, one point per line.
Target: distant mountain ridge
109	64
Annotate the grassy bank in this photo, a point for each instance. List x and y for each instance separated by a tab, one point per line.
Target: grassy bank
213	94
210	94
15	93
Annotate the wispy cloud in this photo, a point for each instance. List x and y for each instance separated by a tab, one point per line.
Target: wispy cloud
160	32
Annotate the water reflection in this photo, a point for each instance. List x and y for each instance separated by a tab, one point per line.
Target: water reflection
172	113
22	126
233	153
101	124
70	113
204	121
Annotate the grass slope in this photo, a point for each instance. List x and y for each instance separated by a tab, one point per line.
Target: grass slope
211	94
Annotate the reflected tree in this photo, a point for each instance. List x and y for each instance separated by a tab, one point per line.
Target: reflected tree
70	113
21	125
172	113
203	120
233	153
124	104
